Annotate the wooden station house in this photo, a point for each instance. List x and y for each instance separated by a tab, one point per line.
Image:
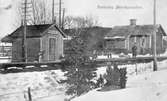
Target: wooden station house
44	43
125	37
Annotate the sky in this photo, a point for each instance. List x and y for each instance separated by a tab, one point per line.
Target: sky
109	13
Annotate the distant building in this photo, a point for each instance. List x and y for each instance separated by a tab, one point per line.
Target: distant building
124	38
5	49
92	36
44	43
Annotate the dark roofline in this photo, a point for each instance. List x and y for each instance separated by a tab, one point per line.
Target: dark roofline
117	29
68	31
9	37
163	31
89	27
60	30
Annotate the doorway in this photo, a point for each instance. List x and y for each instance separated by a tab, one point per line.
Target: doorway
52	49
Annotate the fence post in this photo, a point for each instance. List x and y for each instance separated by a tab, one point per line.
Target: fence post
136	68
29	94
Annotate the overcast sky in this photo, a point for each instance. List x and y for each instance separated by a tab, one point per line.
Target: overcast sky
109	12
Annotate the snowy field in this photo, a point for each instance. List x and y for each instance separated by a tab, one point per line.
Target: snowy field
13	87
145	86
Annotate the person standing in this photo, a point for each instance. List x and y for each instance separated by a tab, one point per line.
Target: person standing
134	50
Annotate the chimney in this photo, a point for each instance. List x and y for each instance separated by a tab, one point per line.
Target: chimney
133	22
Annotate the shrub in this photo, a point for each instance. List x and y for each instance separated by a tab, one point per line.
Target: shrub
100	81
123	77
112	77
116	77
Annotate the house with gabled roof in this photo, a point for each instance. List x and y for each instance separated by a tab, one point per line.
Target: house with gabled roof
44	43
124	38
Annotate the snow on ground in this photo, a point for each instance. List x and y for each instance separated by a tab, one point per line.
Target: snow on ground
105	56
5	59
139	67
122	55
131	69
13	86
143	87
162	65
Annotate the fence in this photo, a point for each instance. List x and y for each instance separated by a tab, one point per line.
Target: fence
28	94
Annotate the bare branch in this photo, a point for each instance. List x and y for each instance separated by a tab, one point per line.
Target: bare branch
40	12
79	22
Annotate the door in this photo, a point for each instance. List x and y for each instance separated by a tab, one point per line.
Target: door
52	49
142	45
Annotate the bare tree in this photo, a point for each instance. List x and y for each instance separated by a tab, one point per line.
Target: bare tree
41	12
79	22
38	12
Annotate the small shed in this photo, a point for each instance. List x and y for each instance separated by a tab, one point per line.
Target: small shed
44	43
125	37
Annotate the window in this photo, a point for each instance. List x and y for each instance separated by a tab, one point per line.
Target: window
143	42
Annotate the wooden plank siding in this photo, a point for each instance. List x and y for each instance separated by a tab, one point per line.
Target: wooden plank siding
141	42
115	44
46	46
142	35
17	50
37	45
159	44
33	49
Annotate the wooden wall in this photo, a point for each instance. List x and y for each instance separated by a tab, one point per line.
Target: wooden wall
147	46
17	51
33	47
45	45
141	43
159	44
115	44
38	45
